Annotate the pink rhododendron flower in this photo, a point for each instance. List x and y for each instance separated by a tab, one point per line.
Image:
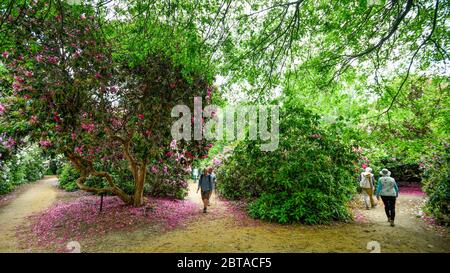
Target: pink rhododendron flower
141	116
45	143
169	154
52	59
56	117
165	170
2	109
113	89
154	169
173	144
33	120
29	74
189	154
209	91
19	79
116	123
5	54
364	165
39	58
79	150
74	136
217	161
83	16
9	143
88	127
16	86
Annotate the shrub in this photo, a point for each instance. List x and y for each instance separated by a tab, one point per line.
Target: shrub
436	183
168	188
157	186
24	166
309	178
68	177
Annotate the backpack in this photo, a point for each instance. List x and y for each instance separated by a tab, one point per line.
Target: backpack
366	181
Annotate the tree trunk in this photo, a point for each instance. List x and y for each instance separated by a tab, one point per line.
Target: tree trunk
138	199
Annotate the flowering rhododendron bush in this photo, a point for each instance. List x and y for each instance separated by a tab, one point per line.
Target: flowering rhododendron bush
96	98
310	178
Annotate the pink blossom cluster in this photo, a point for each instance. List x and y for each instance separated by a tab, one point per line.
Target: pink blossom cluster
45	143
79	150
173	144
88	127
9	143
33	120
316	136
2	109
411	189
217	161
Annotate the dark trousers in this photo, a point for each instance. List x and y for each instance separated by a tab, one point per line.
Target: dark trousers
389	206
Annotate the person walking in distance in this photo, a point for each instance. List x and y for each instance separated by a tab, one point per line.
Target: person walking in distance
206	185
367	184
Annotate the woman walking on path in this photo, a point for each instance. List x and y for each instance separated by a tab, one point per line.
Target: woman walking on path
205	183
388	190
367	184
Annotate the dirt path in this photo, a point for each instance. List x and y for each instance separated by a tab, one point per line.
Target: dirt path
219	231
33	198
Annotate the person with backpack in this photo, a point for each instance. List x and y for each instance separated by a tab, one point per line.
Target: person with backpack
367	184
388	190
205	183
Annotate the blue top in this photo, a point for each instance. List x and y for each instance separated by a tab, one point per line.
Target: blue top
205	182
387	187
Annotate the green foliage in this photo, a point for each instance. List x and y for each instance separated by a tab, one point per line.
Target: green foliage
155	185
167	188
25	166
309	178
436	181
68	177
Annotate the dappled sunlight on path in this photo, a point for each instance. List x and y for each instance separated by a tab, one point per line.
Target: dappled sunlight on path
35	197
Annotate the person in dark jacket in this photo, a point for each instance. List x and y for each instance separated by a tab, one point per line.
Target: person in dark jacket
205	183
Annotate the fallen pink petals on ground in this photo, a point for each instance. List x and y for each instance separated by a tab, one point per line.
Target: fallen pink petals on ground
80	219
412	189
